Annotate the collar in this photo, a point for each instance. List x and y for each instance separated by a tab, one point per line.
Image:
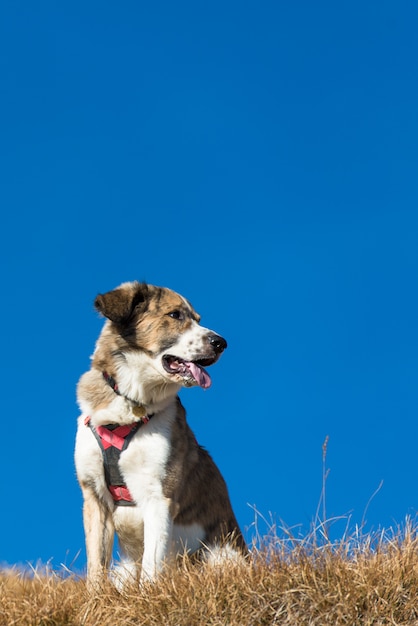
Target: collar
138	409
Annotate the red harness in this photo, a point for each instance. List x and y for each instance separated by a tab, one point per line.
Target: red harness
113	439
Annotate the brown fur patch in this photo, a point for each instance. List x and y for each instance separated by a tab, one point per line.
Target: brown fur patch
141	319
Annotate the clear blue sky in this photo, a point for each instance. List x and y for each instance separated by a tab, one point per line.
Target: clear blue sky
258	157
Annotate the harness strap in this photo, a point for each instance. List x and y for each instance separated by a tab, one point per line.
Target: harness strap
121	495
113	439
117	437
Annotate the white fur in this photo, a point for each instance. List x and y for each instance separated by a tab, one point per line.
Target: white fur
147	457
88	459
139	376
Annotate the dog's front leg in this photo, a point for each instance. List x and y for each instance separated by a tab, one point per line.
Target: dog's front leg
158	526
99	532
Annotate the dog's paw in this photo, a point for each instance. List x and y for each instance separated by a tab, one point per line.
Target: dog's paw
123	576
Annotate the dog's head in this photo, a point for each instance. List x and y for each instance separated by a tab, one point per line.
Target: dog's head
158	328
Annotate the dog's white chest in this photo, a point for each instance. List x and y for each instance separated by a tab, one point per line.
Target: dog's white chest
143	464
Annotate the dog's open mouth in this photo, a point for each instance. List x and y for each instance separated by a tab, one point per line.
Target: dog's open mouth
192	372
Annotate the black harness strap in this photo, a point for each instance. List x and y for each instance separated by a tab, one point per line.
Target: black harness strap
114	439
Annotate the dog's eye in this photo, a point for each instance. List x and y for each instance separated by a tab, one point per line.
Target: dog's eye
176	315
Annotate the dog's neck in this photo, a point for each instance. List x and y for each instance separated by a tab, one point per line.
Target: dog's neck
138	409
124	404
144	394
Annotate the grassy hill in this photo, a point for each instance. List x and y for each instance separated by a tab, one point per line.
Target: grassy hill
360	580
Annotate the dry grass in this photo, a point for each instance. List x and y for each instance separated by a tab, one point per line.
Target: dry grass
360	580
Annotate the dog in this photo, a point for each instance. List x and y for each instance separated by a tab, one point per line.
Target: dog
141	471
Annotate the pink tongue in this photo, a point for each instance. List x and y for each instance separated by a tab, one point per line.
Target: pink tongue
200	375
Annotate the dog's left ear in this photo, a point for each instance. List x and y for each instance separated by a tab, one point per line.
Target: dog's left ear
119	305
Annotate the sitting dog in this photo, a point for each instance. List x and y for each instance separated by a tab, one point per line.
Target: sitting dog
141	471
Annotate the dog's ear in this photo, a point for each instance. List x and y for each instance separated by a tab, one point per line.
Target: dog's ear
119	305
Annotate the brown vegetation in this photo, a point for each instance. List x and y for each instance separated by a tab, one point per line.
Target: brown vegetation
360	580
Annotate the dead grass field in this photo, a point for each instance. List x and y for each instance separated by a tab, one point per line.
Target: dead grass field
360	580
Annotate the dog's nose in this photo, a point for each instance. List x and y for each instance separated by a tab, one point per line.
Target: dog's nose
217	342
